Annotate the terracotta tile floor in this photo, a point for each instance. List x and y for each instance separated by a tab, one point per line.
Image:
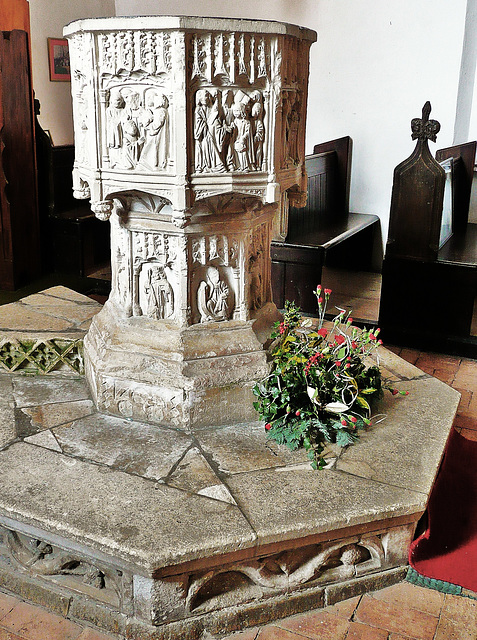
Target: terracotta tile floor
401	612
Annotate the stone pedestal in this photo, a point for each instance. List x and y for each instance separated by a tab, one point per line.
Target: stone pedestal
189	136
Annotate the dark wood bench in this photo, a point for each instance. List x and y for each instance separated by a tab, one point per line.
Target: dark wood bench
73	240
324	232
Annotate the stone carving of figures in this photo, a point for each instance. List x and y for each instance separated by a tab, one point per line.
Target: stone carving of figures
155	152
114	130
293	125
208	134
258	134
255	282
160	295
228	121
133	130
243	138
212	297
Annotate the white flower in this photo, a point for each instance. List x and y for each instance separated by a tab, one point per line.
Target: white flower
336	407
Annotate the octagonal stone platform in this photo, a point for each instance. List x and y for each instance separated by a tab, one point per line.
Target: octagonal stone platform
151	532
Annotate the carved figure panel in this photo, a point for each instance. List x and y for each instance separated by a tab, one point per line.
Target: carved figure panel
156	295
155	275
137	129
213	297
292	114
43	559
257	265
229	131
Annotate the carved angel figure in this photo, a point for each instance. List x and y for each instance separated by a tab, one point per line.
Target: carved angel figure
212	297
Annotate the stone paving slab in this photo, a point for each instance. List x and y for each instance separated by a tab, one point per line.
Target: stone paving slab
134	520
284	504
137	448
57	311
405	449
38	390
387	474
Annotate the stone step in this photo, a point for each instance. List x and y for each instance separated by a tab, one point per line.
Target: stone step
157	533
43	333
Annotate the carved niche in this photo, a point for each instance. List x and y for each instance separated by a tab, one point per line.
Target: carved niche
229	127
134	71
137	129
216	278
229	132
154	275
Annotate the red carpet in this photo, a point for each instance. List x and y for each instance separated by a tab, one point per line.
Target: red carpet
447	550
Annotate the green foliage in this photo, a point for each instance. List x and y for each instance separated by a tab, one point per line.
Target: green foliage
322	383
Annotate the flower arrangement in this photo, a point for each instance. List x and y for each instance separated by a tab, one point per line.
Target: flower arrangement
323	381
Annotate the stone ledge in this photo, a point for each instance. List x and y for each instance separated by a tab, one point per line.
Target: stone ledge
161	517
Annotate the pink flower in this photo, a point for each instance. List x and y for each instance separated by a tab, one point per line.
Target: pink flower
318	288
350	320
320	300
353	419
322	332
372	336
354	345
340	339
347	365
327	292
344	423
394	392
268	426
298	413
338	363
380	342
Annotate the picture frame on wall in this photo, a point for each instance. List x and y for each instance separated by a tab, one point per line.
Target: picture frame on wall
59	60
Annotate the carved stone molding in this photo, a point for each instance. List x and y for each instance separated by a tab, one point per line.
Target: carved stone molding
285	572
69	569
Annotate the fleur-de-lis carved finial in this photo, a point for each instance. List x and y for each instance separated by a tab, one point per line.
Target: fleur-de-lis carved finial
423	128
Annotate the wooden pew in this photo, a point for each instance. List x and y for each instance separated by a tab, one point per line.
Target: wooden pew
73	240
324	232
428	302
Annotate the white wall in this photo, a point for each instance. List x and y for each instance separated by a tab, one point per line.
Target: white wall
47	19
282	10
374	66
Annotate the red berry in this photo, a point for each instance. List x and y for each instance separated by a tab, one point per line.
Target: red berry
268	426
298	412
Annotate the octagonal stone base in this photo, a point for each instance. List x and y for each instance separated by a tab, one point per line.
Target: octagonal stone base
188	378
158	534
